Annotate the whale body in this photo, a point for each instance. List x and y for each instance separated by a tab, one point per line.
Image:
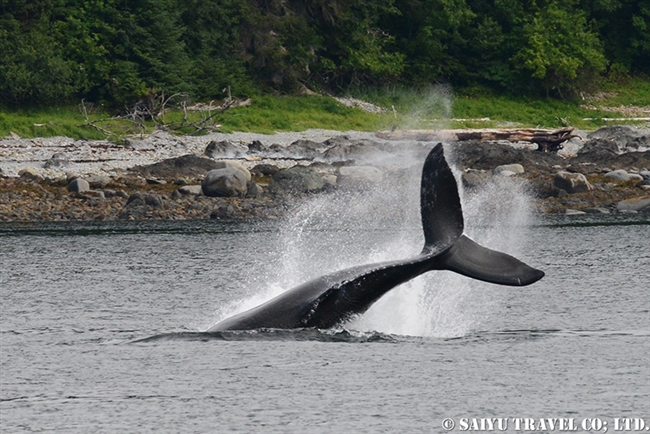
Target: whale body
332	299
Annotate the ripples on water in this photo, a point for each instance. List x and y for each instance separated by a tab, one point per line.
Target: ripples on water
102	323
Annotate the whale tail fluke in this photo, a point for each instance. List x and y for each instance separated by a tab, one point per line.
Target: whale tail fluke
470	259
443	225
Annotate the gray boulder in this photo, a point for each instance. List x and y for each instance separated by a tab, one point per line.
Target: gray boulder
472	178
306	149
638	204
257	147
618	175
253	189
98	181
262	170
222	164
226	182
362	150
572	182
624	137
30	173
190	189
225	149
139	205
596	210
78	185
297	179
514	169
56	160
186	166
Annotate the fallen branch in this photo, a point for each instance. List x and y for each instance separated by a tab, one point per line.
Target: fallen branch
547	140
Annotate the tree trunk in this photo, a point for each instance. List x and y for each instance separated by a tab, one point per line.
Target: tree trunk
547	140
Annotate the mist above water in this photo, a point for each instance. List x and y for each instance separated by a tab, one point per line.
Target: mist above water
431	108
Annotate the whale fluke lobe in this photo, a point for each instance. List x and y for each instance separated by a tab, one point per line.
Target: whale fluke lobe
442	215
332	299
473	260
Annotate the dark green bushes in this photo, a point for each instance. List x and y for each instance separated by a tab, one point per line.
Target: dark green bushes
120	51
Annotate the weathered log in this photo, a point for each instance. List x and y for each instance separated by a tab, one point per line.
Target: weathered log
547	140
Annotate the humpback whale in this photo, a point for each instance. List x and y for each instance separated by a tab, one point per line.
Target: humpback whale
330	300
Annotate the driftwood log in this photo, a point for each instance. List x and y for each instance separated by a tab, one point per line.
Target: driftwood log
547	140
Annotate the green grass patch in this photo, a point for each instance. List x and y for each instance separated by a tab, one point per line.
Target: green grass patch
439	107
268	114
407	108
47	122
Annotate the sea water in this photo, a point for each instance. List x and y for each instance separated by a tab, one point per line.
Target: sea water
101	324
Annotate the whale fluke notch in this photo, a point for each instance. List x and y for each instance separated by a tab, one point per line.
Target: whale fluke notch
334	298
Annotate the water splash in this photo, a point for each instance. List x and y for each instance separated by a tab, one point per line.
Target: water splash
430	109
345	228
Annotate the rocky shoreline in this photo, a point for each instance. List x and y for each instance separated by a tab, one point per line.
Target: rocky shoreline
254	176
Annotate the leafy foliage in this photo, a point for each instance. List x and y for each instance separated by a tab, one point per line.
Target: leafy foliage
118	52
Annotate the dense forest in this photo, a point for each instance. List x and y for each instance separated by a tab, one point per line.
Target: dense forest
118	51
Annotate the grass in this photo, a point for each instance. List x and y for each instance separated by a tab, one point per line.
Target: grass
435	107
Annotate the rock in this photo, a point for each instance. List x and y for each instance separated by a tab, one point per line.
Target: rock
57	160
572	182
297	179
222	164
186	166
253	189
618	175
330	180
224	211
98	181
596	210
154	201
78	185
91	194
306	149
488	155
515	169
139	199
190	189
362	150
473	178
225	149
139	206
355	174
625	138
570	211
30	173
226	182
645	174
262	170
257	147
136	144
154	181
598	149
13	136
638	204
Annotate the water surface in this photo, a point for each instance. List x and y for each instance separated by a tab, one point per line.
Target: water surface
101	330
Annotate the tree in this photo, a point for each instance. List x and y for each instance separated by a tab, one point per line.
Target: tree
559	49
